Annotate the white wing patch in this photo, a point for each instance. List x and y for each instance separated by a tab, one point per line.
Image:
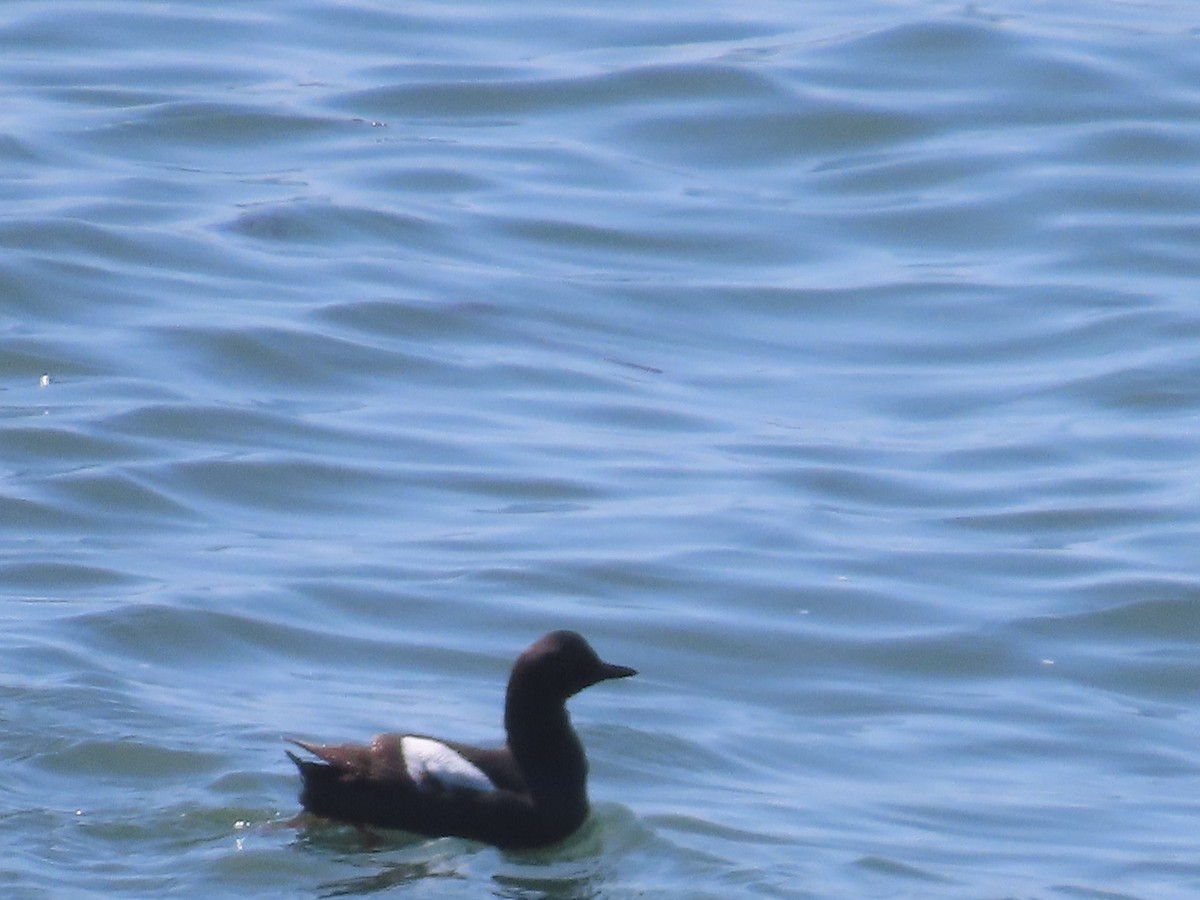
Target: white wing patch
427	760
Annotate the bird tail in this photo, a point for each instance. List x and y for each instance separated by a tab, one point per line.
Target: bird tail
317	777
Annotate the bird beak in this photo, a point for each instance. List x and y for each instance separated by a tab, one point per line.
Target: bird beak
610	670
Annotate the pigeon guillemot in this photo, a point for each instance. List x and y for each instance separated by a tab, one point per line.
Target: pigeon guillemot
529	793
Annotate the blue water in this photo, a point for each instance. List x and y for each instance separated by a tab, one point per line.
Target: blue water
833	364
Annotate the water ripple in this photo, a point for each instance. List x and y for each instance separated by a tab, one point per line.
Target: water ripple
837	373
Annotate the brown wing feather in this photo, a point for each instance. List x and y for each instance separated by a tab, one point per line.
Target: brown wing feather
379	759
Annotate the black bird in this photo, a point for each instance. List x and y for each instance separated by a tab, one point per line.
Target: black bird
529	793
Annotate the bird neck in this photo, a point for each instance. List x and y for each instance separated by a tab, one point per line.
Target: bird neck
546	748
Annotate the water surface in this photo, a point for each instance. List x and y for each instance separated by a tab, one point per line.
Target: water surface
835	367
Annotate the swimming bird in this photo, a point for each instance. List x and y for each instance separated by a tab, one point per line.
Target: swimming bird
531	792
